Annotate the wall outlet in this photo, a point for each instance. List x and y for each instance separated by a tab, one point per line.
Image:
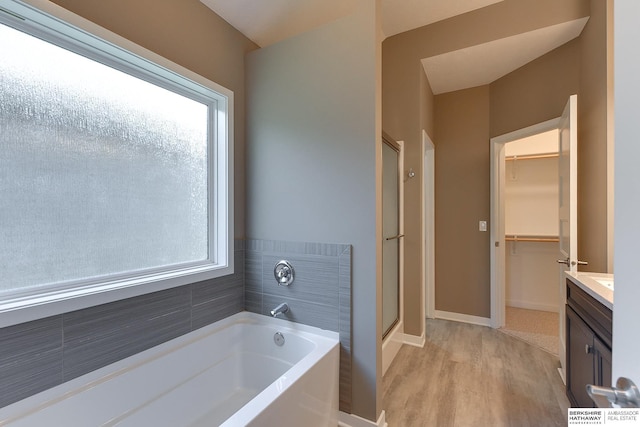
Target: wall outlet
482	226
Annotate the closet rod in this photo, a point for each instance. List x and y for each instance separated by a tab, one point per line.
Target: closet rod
512	238
532	156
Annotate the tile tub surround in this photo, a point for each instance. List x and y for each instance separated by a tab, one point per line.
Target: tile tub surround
41	354
186	381
320	295
38	355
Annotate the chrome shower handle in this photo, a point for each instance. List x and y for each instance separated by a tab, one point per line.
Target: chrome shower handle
284	273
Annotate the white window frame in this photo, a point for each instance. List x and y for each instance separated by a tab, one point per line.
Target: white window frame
54	23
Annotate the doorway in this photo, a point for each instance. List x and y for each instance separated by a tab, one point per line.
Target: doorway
524	232
566	125
531	240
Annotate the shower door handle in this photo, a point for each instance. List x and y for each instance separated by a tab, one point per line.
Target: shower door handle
395	237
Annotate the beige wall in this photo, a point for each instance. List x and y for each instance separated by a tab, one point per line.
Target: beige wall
462	199
539	92
532	94
191	35
592	141
536	92
493	22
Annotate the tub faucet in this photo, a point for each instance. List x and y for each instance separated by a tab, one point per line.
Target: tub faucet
281	309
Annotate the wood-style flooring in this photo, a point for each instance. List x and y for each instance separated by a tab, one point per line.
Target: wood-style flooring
468	375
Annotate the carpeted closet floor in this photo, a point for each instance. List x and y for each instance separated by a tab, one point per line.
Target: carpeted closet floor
539	328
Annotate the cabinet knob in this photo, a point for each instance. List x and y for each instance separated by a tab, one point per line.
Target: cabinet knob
588	348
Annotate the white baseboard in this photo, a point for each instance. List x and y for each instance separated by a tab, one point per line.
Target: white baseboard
532	305
350	420
414	340
562	368
561	373
464	318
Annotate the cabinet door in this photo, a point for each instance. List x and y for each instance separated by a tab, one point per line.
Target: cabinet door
580	360
603	363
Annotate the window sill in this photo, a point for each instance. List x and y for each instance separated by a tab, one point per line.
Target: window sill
18	310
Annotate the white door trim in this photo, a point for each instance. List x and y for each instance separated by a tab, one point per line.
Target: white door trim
428	221
497	215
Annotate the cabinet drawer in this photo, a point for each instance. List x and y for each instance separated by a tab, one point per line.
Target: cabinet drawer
595	314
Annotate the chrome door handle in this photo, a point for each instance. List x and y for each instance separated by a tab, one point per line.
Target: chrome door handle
564	261
625	393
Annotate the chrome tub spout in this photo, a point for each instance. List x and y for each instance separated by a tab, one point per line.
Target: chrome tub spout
281	309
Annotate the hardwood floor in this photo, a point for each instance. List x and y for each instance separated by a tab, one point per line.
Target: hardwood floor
468	375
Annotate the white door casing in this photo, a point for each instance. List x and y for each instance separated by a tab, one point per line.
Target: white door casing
568	184
568	208
428	216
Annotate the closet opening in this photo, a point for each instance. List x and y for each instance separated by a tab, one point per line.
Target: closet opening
524	232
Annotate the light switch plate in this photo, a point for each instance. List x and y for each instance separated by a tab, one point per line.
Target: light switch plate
482	226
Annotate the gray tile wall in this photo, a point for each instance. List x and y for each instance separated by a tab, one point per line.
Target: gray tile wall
38	355
319	296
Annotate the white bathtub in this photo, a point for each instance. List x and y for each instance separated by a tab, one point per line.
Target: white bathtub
230	373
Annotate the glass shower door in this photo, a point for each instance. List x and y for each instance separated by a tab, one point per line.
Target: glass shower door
391	236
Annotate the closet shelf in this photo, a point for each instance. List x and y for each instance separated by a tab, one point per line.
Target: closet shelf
532	156
518	238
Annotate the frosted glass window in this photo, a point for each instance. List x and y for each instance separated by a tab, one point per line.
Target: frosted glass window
101	173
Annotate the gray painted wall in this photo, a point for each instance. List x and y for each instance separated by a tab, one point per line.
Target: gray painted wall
311	161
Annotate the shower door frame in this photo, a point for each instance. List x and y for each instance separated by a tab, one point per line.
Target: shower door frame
397	325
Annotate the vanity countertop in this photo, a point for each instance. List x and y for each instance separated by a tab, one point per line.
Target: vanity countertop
598	285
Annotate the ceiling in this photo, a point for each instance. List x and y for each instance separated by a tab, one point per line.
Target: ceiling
268	22
484	63
399	16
